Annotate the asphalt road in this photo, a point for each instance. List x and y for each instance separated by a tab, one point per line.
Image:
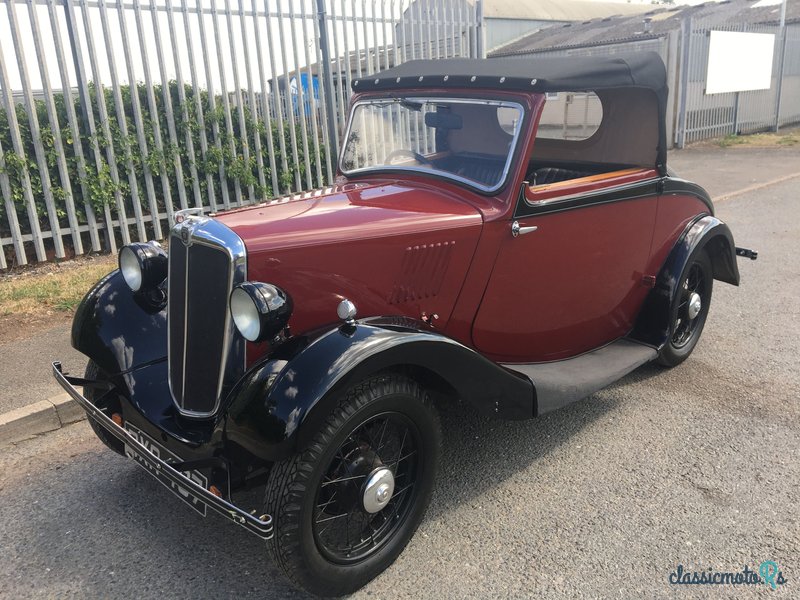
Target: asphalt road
698	466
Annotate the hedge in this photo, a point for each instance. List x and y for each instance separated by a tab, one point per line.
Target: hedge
98	183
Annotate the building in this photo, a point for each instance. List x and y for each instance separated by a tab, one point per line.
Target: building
651	24
680	34
507	20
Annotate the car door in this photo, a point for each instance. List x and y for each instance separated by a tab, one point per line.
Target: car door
573	277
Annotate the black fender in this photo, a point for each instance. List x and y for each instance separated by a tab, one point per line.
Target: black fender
280	404
120	330
706	233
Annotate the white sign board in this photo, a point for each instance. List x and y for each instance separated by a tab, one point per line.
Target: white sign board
738	61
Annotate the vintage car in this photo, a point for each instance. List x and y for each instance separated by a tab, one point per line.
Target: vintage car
479	246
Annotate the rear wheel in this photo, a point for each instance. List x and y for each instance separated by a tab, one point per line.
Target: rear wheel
689	310
94	372
346	506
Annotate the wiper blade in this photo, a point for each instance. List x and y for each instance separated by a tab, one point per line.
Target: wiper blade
410	104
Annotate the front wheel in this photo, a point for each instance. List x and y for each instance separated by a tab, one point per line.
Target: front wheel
689	310
346	506
93	372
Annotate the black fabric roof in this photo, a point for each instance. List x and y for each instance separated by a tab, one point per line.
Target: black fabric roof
537	74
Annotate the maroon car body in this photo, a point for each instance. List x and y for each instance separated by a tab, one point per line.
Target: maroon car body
473	248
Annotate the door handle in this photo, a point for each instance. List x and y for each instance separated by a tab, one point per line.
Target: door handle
516	230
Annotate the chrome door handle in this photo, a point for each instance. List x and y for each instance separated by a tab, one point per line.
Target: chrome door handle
516	230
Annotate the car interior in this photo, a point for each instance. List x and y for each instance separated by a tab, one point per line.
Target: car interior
582	136
588	136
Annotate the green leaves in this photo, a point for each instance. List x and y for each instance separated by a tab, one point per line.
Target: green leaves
223	163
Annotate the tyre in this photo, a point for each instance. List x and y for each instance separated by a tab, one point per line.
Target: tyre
94	372
346	506
689	310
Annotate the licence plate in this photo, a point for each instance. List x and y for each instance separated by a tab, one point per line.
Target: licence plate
161	452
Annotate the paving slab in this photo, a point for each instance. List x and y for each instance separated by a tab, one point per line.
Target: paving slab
25	366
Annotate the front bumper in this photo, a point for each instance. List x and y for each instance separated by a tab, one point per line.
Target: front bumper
168	473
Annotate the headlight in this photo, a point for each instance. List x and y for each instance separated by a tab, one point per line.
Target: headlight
143	266
259	310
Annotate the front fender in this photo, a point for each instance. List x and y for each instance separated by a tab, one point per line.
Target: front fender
706	233
279	405
117	329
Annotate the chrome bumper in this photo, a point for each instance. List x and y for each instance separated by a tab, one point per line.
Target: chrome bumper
260	526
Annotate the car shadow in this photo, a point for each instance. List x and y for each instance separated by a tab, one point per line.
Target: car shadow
497	450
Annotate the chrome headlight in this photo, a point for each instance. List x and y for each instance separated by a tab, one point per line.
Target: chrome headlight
143	265
260	310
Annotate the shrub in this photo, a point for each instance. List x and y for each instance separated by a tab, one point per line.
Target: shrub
99	184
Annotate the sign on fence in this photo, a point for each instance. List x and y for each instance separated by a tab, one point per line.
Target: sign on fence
738	62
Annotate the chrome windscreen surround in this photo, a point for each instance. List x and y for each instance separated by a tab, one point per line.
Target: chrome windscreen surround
206	355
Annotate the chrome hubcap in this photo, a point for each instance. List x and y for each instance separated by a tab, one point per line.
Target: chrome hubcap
695	304
378	490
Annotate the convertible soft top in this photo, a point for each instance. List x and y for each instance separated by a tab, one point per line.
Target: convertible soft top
608	76
539	74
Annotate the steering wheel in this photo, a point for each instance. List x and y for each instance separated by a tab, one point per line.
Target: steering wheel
407	153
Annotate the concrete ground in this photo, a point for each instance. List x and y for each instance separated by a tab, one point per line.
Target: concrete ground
696	466
25	371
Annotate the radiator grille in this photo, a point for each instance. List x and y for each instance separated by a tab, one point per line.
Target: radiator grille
205	352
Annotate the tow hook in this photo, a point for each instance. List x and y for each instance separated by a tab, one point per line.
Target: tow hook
747	253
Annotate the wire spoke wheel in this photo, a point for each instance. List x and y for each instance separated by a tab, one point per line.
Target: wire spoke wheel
692	293
688	310
344	530
348	503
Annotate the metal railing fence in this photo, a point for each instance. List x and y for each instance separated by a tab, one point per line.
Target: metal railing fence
692	115
716	115
116	113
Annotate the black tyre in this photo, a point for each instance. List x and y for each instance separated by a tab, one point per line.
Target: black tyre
346	506
689	310
94	372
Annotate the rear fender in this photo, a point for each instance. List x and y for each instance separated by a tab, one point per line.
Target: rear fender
706	233
280	405
120	330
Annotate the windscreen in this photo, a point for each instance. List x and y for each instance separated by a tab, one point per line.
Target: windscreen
468	140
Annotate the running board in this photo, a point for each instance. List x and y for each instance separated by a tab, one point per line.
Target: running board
561	382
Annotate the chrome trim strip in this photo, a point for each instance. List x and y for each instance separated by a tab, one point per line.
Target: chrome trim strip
621	187
260	526
437	173
185	331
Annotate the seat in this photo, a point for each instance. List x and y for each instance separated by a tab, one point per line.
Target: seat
547	175
487	172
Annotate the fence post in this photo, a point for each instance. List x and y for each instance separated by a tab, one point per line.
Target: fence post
11	215
480	32
35	131
327	82
686	36
779	86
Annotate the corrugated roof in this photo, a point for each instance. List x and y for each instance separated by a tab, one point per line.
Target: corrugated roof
558	10
662	21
